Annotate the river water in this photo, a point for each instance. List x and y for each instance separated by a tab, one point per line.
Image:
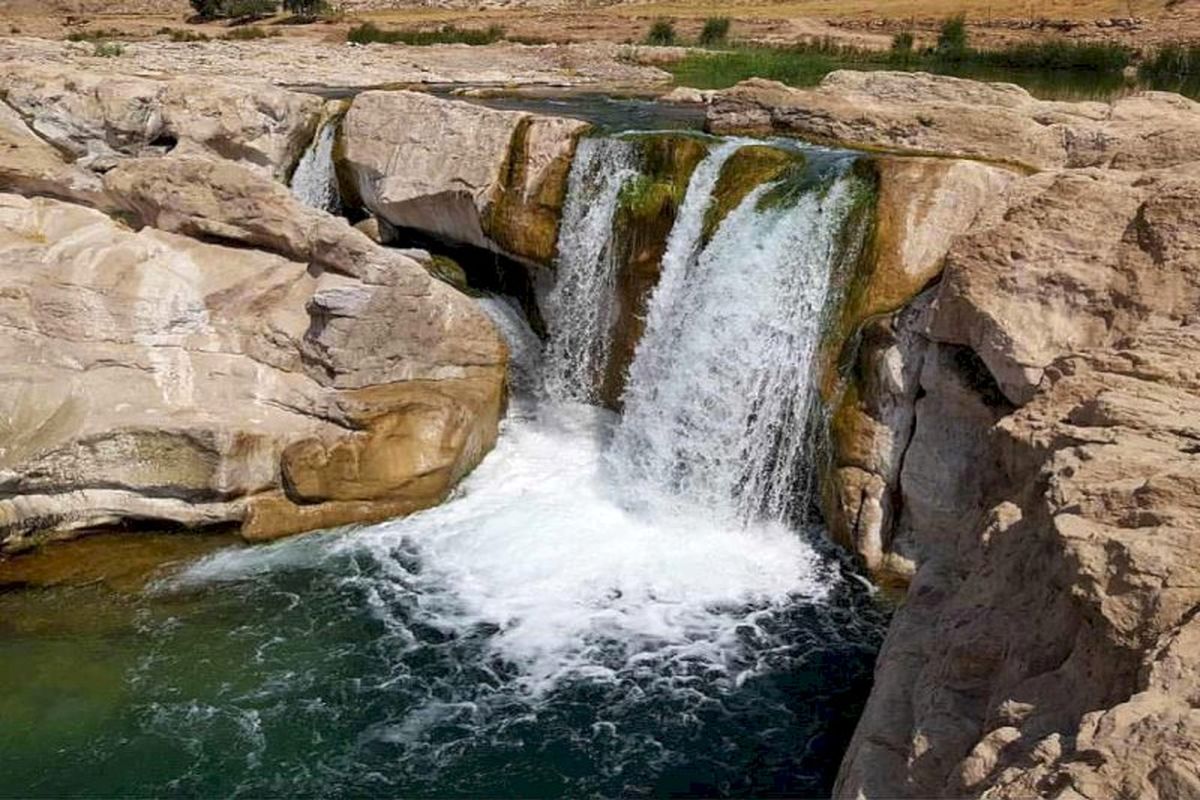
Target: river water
632	605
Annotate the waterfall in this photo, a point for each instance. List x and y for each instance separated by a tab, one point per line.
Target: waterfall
717	401
314	182
587	270
524	346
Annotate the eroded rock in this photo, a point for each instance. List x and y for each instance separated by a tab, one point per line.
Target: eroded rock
154	377
936	114
100	117
466	173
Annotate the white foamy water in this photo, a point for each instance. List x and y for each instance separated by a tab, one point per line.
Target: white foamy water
582	555
539	544
716	405
314	182
580	307
524	346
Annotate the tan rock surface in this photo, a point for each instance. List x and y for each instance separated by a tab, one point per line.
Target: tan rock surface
99	116
936	114
1050	650
308	62
1020	442
150	376
923	205
494	179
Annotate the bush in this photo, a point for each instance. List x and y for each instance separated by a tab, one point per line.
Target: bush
234	9
108	49
306	9
661	33
369	33
952	39
715	31
177	35
249	33
902	42
98	35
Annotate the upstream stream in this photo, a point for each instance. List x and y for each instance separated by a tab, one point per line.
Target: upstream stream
634	604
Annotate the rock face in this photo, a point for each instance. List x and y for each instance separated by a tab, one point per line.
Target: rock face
1016	439
469	174
100	117
934	114
922	205
325	382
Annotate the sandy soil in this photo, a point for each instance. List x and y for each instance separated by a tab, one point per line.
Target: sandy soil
865	23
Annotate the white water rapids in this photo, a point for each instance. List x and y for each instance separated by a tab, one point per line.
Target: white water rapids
594	544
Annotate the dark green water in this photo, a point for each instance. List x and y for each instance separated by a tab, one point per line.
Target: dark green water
354	666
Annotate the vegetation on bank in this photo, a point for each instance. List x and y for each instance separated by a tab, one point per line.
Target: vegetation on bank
806	63
1173	61
250	33
370	33
249	10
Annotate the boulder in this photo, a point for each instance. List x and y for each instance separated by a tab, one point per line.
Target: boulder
1073	260
462	172
152	378
1051	646
99	118
29	165
936	114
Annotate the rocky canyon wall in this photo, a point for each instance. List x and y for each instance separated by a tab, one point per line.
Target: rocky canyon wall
1015	441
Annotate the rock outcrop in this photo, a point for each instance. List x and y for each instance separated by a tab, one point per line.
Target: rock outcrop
1016	436
98	117
155	378
462	172
939	115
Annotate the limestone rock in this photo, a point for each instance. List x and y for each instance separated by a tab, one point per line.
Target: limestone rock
470	174
936	114
29	165
148	376
101	117
922	206
1074	259
1052	647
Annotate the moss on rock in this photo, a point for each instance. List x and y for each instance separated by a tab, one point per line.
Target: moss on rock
646	213
746	170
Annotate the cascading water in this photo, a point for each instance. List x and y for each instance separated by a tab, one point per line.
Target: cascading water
717	401
580	307
606	607
314	182
524	346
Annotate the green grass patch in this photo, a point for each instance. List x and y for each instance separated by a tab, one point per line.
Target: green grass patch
1175	60
370	33
806	64
250	33
108	49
